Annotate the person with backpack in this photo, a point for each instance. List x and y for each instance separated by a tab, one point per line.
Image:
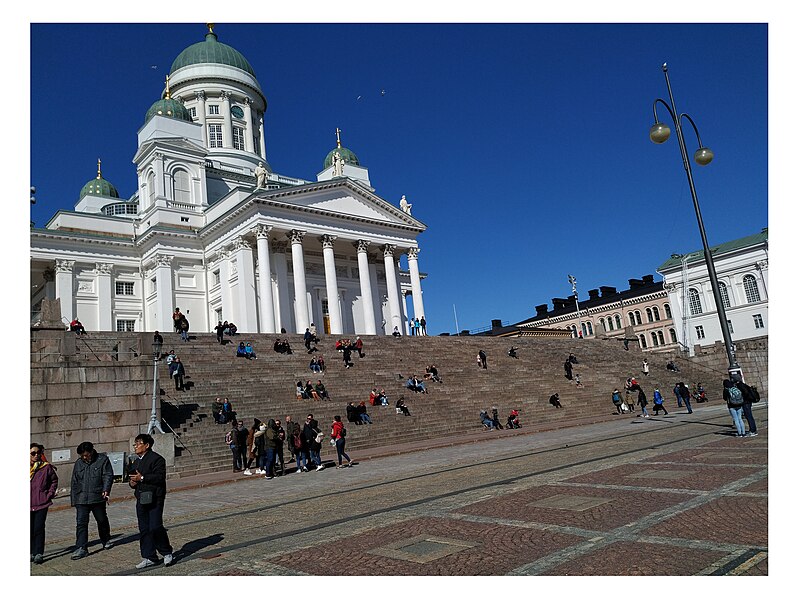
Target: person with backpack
617	400
735	401
750	397
339	434
658	399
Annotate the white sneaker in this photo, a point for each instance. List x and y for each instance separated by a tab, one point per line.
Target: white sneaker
168	559
247	472
145	563
320	467
259	471
299	470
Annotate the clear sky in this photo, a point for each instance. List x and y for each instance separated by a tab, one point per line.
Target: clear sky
523	147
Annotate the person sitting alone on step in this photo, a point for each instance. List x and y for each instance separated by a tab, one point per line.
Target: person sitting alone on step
401	407
555	400
513	419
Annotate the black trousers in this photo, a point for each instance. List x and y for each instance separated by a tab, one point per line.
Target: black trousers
152	534
178	382
82	512
38	519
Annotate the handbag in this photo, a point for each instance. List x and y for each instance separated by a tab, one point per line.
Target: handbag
146	497
320	437
332	441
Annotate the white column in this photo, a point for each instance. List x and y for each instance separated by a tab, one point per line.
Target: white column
391	284
164	292
416	282
201	115
331	285
262	140
377	298
266	300
224	280
283	320
300	291
227	137
247	318
104	297
159	176
64	288
248	130
366	288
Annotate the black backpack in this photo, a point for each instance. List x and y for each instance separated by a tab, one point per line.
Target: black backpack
343	432
755	394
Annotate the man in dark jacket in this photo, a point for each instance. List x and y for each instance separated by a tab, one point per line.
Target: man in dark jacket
178	374
309	432
148	479
92	477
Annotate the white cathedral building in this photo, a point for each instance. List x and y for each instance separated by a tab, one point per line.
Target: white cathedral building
214	231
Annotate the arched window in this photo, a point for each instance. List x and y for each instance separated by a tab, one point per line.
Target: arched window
649	315
660	338
151	188
656	313
590	327
604	326
751	290
181	187
667	308
631	318
694	302
642	341
618	321
725	296
585	332
637	317
574	330
654	339
673	336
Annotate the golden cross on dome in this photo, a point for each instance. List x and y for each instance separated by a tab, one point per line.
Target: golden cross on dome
338	137
210	27
167	87
99	176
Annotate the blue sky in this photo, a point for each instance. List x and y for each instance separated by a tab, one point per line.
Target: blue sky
523	147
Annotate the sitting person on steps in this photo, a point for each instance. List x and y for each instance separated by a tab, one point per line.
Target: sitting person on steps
401	407
513	419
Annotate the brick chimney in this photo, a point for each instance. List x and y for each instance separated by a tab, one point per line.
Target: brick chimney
635	283
607	291
496	323
648	279
541	310
593	294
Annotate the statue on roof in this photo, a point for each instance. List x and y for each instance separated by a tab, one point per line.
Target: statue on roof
406	207
338	164
260	176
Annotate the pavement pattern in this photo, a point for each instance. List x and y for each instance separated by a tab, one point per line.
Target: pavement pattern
618	498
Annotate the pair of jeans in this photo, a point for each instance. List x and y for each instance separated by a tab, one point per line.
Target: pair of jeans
184	335
687	401
38	519
643	411
340	442
366	418
299	454
269	462
315	458
236	457
737	420
82	512
152	534
750	419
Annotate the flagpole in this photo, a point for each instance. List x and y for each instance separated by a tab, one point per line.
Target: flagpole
457	329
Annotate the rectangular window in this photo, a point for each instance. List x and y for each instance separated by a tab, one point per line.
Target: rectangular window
153	285
218	313
215	136
216	278
238	138
758	321
124	288
729	326
700	332
193	112
125	326
213	109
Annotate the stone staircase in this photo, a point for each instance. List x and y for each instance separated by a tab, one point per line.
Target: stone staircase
265	388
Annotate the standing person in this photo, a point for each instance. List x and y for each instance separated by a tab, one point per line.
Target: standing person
412	327
184	328
423	324
417	326
158	340
567	367
232	441
749	399
290	424
645	367
270	444
220	333
735	402
259	448
339	434
92	477
279	443
657	398
251	455
300	448
685	395
642	402
148	480
178	373
676	392
44	484
359	346
176	316
242	435
347	355
617	400
310	432
481	355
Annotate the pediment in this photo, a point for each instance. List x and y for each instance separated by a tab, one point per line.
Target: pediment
177	144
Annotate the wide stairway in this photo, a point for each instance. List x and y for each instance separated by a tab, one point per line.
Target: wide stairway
265	388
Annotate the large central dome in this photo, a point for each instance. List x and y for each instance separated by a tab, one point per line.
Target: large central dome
211	51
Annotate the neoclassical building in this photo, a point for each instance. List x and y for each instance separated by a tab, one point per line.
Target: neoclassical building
213	230
742	272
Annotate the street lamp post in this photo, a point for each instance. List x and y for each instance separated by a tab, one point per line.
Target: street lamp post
659	133
573	282
154	424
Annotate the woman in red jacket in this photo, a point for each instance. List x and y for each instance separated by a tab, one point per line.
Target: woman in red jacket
338	433
44	484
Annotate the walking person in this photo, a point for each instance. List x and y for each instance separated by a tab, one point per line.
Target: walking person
220	333
567	367
92	477
642	402
313	437
148	480
735	402
617	400
685	395
645	367
676	392
339	434
657	398
178	373
44	484
482	358
749	398
347	357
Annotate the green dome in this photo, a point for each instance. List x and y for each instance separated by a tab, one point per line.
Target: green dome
211	51
348	156
99	187
171	108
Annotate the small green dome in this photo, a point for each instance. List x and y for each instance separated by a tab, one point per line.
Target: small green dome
348	156
99	187
171	108
211	51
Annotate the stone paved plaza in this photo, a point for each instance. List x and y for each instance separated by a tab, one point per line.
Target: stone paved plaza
629	497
